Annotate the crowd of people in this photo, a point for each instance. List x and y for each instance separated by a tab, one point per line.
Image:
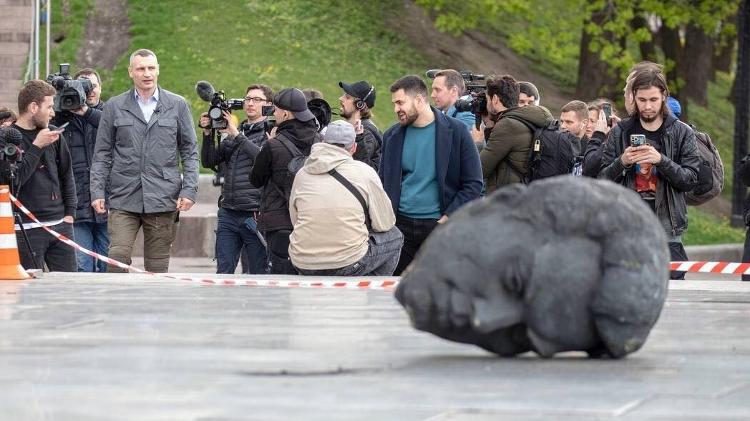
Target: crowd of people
303	195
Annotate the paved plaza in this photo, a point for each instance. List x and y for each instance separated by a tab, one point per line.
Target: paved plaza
137	347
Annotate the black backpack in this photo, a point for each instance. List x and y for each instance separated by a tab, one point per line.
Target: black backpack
294	165
710	171
551	151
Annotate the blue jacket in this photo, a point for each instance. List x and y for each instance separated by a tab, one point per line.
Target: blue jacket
458	169
466	117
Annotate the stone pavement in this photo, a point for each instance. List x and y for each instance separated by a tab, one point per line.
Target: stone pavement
124	347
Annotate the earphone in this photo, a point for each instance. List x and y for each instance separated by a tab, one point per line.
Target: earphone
360	104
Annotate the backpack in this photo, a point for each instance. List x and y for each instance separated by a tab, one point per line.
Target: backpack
710	171
294	165
551	151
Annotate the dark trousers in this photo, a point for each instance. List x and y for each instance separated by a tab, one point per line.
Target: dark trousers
382	255
159	231
677	253
58	256
746	253
231	235
415	232
278	252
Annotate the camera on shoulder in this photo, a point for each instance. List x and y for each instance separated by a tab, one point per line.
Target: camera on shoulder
218	103
71	93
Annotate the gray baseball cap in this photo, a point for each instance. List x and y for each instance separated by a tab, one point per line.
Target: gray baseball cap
340	132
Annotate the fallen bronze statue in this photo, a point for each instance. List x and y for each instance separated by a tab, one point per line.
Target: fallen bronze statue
565	264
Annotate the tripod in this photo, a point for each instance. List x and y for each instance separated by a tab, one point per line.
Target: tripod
14	189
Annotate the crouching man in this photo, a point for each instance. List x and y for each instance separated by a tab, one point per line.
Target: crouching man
344	223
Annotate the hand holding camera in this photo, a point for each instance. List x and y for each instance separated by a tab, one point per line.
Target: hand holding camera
231	127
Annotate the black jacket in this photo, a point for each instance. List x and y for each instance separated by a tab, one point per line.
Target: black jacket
270	172
678	169
45	179
236	157
369	144
743	172
81	138
592	156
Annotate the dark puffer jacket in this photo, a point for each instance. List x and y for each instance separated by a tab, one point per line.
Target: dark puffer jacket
236	157
678	167
271	173
81	138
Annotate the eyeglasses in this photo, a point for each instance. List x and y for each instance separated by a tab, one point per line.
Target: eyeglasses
255	99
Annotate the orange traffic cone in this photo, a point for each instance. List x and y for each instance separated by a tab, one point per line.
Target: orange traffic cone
10	263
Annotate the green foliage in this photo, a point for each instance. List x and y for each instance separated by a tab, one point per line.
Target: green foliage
68	27
707	229
281	43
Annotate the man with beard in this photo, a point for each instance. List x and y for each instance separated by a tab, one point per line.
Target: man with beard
296	131
654	154
356	105
429	167
44	182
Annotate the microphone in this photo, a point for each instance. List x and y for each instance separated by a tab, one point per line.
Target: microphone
432	72
157	110
204	90
10	135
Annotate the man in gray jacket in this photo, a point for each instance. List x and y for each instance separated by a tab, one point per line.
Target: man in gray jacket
141	134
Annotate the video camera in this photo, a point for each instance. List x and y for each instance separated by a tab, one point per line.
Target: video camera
10	139
71	93
477	104
219	103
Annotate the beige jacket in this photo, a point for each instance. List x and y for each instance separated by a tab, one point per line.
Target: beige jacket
329	222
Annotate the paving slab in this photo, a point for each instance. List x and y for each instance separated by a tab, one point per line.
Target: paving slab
127	346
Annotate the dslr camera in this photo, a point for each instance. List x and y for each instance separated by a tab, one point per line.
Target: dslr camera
71	93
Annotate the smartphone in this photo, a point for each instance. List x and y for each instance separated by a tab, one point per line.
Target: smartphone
637	139
607	108
62	127
267	110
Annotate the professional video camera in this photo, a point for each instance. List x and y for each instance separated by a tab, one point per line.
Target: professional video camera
477	103
219	103
10	154
71	93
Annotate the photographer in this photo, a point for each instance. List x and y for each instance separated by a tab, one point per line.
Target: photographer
44	182
505	158
240	200
90	228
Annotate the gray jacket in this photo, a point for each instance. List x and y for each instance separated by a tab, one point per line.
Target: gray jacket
140	159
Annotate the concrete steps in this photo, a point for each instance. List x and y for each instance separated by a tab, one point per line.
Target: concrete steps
15	38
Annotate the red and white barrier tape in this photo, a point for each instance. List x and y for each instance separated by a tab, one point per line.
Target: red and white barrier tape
386	284
727	268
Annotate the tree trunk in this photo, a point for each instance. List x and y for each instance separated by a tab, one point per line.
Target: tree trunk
594	76
722	60
672	48
697	70
648	48
741	96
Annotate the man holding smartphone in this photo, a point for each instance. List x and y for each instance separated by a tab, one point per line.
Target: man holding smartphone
654	154
44	182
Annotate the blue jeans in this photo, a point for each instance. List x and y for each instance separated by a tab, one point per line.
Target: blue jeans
231	235
93	236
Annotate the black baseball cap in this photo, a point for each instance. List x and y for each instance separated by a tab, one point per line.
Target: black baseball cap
361	90
292	99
